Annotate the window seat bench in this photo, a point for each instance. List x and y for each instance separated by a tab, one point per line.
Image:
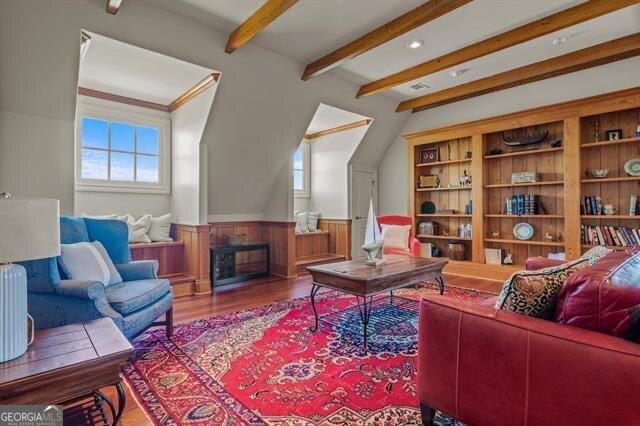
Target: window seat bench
172	265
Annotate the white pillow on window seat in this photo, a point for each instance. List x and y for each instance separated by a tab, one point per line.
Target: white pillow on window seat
396	236
160	227
138	229
312	221
302	222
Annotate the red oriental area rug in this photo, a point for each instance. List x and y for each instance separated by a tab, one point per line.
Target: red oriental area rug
264	366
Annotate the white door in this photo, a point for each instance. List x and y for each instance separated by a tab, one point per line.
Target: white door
363	181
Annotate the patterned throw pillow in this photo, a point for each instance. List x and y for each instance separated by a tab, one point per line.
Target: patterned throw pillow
534	293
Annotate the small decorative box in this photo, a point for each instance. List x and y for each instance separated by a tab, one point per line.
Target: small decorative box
525	177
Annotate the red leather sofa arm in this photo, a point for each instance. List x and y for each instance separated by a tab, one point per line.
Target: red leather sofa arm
539	262
487	367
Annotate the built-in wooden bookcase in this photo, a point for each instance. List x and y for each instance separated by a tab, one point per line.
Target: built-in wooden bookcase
450	166
563	178
598	153
540	158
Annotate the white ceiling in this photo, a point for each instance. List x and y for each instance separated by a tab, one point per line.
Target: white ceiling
122	69
313	28
328	117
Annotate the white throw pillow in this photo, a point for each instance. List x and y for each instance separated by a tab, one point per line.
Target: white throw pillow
88	262
302	220
95	216
138	229
160	228
312	221
396	236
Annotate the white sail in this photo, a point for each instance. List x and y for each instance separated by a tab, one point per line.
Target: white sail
372	233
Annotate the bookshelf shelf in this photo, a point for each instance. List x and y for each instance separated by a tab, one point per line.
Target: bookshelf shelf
525	152
444	163
443	237
526	216
610	217
526	242
515	185
605	144
454	188
612	179
453	215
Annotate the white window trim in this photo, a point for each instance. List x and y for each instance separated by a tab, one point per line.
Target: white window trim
306	168
113	111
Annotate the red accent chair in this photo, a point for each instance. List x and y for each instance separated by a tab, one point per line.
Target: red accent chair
483	366
413	244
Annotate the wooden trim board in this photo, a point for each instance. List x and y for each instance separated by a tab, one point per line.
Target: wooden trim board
200	87
338	129
121	99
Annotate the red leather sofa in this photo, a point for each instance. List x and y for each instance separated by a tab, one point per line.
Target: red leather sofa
413	244
483	366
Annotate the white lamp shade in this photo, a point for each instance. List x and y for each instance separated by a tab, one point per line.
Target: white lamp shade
29	229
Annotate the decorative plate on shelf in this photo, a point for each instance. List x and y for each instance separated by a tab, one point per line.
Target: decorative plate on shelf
523	231
632	167
427	207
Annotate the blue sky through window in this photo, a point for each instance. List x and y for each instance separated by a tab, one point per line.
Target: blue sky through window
119	151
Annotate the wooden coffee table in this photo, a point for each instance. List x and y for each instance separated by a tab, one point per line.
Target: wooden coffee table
65	366
363	281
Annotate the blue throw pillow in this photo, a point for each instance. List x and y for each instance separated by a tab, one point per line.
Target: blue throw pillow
73	230
114	236
42	275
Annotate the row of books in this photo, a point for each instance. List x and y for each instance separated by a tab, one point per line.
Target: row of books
592	205
523	204
610	235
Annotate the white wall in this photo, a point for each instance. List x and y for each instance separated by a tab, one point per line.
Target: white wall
187	126
392	170
259	115
330	157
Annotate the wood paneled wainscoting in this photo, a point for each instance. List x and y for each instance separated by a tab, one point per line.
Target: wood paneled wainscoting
578	131
184	261
279	235
331	244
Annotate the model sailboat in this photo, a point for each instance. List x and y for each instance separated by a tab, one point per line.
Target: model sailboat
372	238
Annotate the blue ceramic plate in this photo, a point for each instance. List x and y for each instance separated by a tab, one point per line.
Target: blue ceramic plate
523	231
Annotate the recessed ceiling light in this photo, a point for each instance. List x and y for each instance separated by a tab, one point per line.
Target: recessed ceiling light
415	44
559	40
458	73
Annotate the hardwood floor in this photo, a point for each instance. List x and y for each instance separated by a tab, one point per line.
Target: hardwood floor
251	294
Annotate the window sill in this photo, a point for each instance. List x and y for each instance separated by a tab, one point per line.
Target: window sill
84	187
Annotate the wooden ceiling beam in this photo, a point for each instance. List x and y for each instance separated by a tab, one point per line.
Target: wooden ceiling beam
266	14
113	6
200	87
337	129
413	19
566	18
600	54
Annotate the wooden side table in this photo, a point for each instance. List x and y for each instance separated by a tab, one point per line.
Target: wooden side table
68	364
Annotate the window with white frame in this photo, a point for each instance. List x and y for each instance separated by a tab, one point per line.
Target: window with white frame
118	149
301	170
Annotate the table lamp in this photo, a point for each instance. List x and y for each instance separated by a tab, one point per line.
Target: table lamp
29	230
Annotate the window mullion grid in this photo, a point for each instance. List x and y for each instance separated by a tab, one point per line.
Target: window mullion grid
135	153
109	153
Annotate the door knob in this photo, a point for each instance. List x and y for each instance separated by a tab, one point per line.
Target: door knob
359	217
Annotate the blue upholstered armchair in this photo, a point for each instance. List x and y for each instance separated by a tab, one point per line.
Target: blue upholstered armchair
134	305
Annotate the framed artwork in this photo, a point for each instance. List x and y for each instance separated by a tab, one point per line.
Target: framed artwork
429	155
613	135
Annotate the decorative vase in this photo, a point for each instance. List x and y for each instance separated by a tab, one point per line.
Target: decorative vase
14	319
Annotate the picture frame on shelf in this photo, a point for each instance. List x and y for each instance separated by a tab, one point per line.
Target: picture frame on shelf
429	155
613	135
